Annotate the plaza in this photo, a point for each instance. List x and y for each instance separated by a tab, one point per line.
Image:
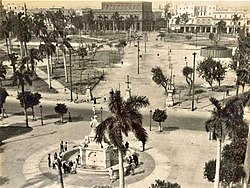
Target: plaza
176	153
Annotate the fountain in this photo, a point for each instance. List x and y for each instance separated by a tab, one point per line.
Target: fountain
94	157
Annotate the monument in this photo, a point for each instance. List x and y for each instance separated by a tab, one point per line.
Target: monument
128	90
93	154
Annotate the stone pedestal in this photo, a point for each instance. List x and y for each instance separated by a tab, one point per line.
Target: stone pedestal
170	99
128	93
88	94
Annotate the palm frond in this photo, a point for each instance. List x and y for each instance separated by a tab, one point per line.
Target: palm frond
115	136
102	127
140	133
216	103
137	102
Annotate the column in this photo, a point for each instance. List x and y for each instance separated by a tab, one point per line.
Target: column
211	29
227	30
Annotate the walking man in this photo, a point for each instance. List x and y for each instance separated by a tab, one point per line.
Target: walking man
61	147
66	146
49	160
94	110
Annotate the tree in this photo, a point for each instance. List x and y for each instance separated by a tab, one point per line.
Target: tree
211	70
30	100
124	117
225	121
34	57
13	59
3	72
159	78
164	184
49	48
214	38
221	25
64	45
77	22
159	116
167	14
243	77
187	72
61	109
178	21
184	18
20	78
3	95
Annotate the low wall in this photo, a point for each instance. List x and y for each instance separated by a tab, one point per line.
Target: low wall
216	52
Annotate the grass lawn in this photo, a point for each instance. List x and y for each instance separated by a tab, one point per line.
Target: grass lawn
11	131
84	71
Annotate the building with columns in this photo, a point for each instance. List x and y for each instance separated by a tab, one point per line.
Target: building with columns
139	13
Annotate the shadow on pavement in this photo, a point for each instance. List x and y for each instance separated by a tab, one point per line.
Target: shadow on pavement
33	136
38	179
4	180
170	128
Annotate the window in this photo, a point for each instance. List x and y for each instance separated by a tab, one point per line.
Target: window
220	16
209	13
214	16
225	16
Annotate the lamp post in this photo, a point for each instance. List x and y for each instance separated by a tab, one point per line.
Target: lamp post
173	79
70	73
186	61
180	98
150	119
41	112
193	108
196	36
138	57
145	38
101	113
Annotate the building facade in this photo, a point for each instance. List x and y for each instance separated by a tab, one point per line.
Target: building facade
118	14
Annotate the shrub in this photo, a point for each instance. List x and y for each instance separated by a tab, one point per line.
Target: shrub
164	184
189	37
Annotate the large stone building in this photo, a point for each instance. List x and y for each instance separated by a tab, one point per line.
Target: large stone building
139	13
203	17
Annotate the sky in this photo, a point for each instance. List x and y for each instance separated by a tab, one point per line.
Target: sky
97	3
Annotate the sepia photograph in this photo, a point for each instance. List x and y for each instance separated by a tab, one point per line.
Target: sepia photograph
124	94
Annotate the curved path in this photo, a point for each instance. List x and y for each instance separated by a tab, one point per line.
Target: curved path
35	168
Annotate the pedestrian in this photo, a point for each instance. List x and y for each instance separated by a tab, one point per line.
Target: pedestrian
142	143
61	147
70	119
227	92
94	110
55	156
49	160
122	62
126	145
66	146
111	175
132	168
197	98
135	159
77	159
158	54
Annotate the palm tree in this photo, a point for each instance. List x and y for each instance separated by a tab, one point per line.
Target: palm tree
115	17
20	78
3	72
178	21
221	25
124	117
77	22
49	48
38	25
224	122
13	59
187	72
243	77
34	56
64	45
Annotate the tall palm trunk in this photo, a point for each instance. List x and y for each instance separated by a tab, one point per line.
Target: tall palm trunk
48	72
7	45
80	37
217	170
25	49
10	42
21	49
51	64
65	67
24	107
121	171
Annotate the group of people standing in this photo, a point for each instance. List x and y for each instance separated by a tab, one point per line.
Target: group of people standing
67	167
